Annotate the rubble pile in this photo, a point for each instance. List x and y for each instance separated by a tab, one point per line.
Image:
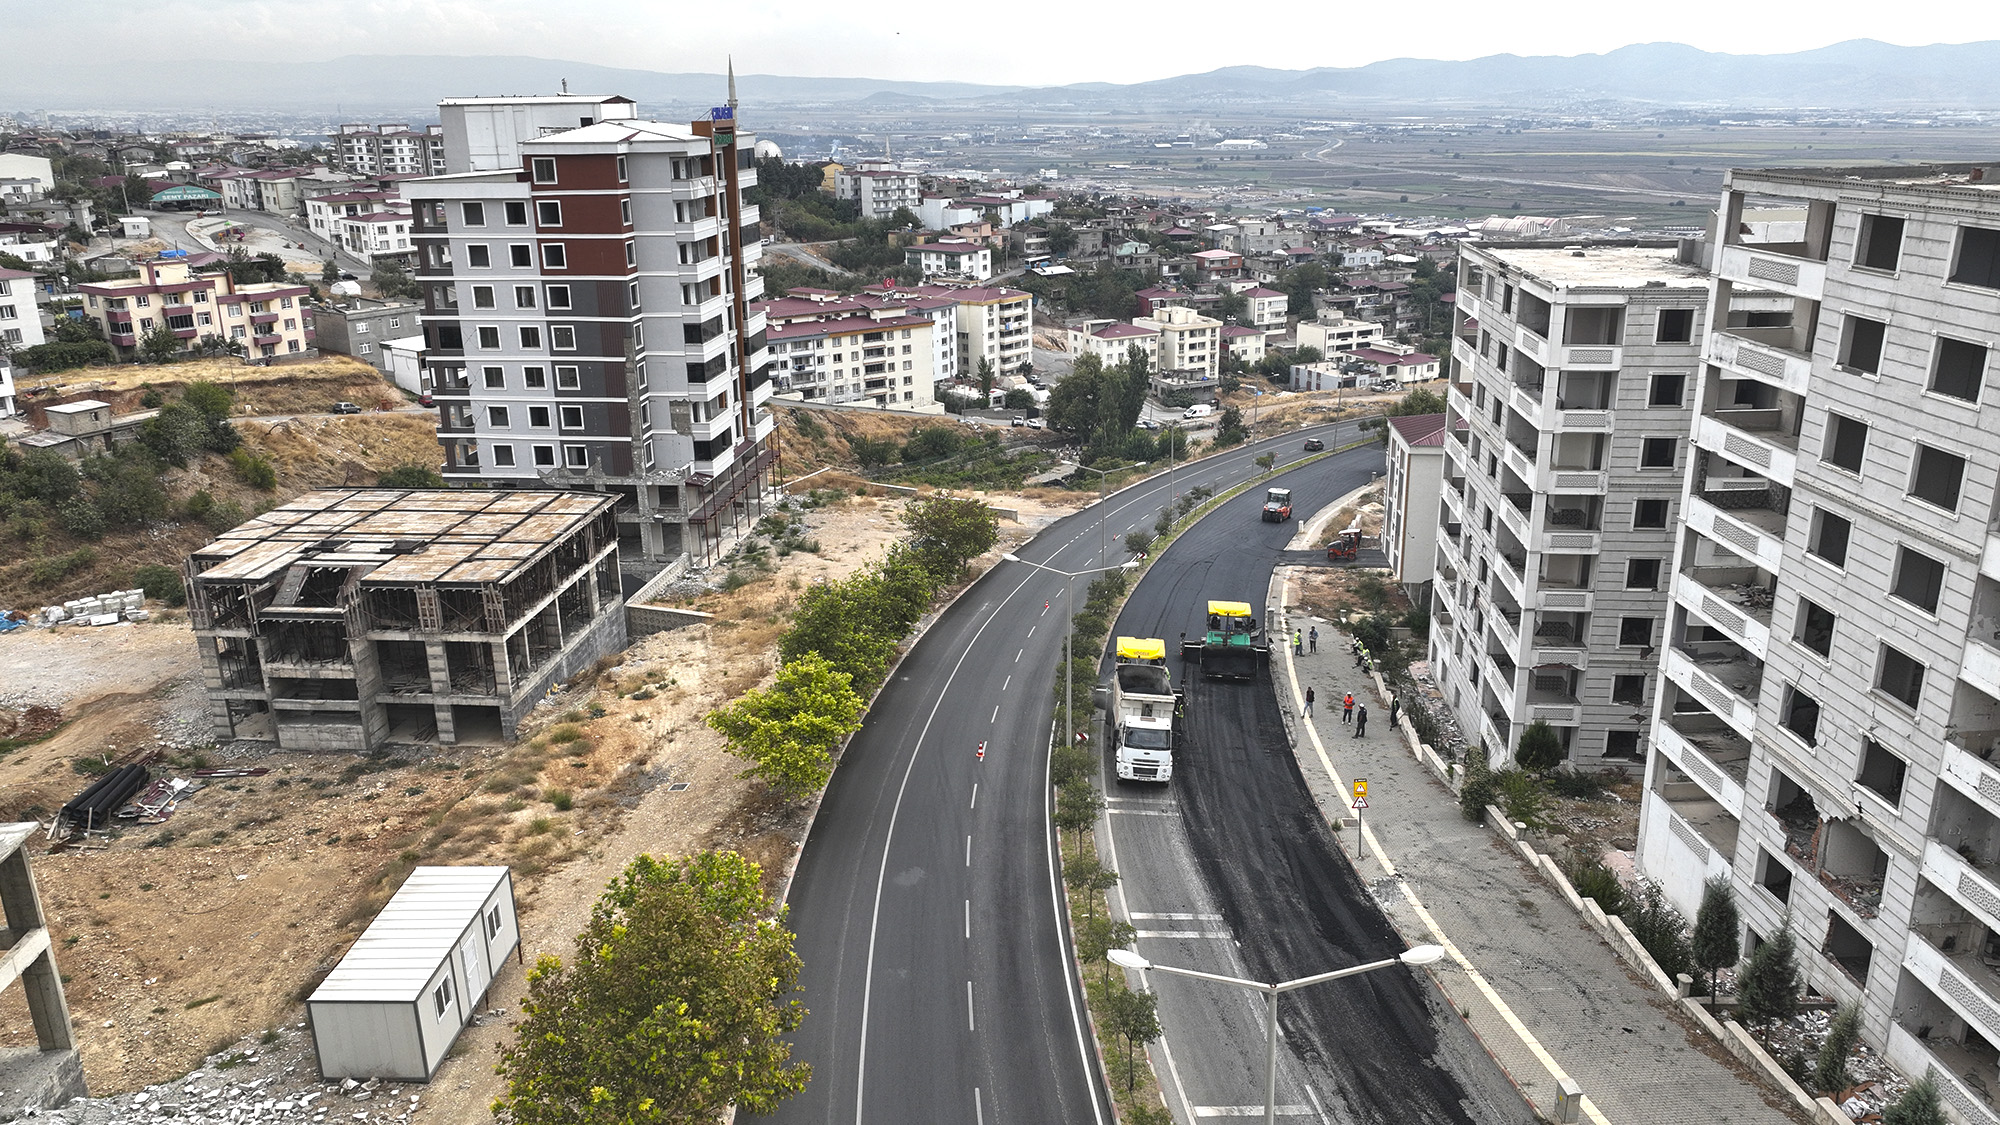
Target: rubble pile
252	1081
104	609
1876	1083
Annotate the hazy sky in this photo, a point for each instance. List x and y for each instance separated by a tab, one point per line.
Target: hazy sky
1013	41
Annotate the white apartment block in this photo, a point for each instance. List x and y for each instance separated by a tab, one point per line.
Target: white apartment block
588	325
880	191
1111	341
1829	709
1566	436
486	134
1189	344
20	319
324	212
1334	332
390	150
880	357
951	257
1410	496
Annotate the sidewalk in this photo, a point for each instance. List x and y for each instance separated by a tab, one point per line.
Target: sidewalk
1541	989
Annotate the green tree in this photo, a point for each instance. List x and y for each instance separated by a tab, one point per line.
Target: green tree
1769	986
1299	284
212	400
1540	748
678	1001
1075	401
1423	400
1232	306
1830	1075
329	273
1076	809
839	621
392	279
47	476
410	476
161	583
790	731
1134	1017
1919	1105
1659	928
1062	239
1717	944
1229	428
1020	399
947	532
985	377
159	344
870	452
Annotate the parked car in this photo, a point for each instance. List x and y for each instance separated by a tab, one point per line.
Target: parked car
1034	423
345	408
1198	410
1019	421
1314	445
425	399
1148	424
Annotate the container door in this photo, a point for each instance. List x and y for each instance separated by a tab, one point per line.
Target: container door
472	970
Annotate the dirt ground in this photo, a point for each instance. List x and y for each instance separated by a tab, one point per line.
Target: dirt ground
253	385
179	938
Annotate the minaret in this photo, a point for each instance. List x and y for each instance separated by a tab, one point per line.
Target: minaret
732	86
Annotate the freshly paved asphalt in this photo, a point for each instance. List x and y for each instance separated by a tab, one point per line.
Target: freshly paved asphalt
1230	869
936	962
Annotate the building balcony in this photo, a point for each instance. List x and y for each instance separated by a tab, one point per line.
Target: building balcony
1511	573
1763	354
1732	599
1969	882
1591	482
1981	667
267	337
1494	729
1507	628
1551	699
1962	980
1583	421
1514	513
1522	463
1954	1065
1755	533
1779	267
1531	343
264	318
1592	357
1695	822
1755	439
1550	597
1722	678
1974	777
1571	541
1704	748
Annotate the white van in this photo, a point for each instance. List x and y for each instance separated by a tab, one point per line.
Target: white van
1198	410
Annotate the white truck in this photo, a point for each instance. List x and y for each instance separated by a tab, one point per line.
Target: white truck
1140	706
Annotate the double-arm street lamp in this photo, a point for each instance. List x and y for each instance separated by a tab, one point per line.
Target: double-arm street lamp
1102	476
1415	955
1069	624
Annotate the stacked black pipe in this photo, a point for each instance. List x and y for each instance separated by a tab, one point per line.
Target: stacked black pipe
96	805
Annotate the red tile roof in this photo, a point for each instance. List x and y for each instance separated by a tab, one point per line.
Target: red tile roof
1121	331
1419	429
843	325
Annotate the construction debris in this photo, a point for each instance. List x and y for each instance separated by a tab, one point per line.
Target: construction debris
93	809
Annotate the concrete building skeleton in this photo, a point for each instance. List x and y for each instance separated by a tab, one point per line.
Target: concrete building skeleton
347	619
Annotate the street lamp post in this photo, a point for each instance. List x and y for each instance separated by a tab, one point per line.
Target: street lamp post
1415	955
1069	624
1102	476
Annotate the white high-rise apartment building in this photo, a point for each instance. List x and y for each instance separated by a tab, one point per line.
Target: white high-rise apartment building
587	324
486	134
1565	437
1826	730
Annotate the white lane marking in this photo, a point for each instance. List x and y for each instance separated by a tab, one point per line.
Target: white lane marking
1031	630
888	842
996	714
1472	974
1318	1109
1144	812
978	1109
1017	654
1171	916
1005	682
1251	1111
975	796
1177	934
970	1023
968	919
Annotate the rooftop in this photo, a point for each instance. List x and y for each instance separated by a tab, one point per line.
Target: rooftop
1419	429
1602	267
403	537
1966	177
394	958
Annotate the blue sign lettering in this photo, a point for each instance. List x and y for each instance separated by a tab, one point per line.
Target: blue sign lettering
722	113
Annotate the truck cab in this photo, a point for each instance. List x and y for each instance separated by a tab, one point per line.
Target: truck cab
1277	505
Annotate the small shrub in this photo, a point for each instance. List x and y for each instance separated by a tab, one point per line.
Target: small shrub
1540	748
1830	1075
254	470
193	1004
1593	880
641	695
1576	784
561	799
1521	798
1660	929
161	583
566	733
1478	790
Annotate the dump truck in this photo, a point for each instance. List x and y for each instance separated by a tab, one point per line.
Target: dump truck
1277	505
1140	706
1232	647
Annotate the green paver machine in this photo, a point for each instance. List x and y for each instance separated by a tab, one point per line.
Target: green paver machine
1233	646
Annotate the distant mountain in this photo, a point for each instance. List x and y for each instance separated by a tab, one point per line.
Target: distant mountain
1859	74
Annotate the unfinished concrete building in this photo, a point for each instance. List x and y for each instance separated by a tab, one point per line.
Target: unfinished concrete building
349	619
46	1072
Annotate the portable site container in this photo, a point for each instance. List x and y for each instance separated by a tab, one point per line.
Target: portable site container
395	1004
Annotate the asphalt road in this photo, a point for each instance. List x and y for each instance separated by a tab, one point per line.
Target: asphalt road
1230	869
925	902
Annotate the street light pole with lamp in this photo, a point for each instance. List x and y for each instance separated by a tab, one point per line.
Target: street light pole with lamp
1102	476
1415	955
1069	624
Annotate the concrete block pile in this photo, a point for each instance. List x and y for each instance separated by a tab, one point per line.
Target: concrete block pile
103	609
252	1083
